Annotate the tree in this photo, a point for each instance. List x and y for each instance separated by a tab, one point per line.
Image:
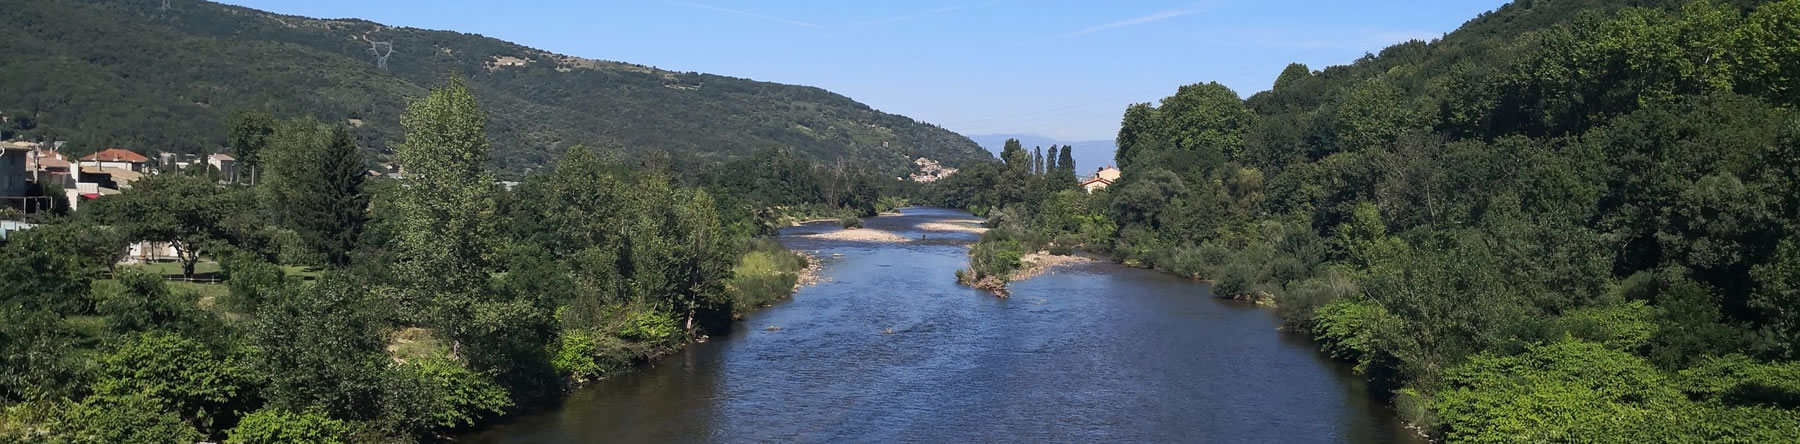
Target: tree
147	304
247	133
1778	297
447	207
1037	161
188	213
1140	126
1064	176
317	176
1373	116
320	349
1294	73
1206	116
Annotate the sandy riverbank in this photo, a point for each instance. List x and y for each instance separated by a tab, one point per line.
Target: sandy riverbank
1037	263
956	227
859	235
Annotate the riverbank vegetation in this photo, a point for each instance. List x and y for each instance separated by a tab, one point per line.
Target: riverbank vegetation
1033	203
1568	221
366	310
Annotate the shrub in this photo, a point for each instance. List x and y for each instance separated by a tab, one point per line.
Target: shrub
996	255
1299	304
251	280
584	355
277	426
1625	327
129	418
462	397
1345	329
183	374
851	221
1570	391
764	275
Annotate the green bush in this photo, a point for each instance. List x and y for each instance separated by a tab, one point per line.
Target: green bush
276	426
1570	391
767	272
584	355
251	281
996	255
851	221
183	374
1736	380
1345	329
123	419
1625	327
461	397
1299	304
649	326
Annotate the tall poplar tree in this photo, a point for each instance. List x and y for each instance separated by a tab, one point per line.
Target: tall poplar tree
446	205
1037	161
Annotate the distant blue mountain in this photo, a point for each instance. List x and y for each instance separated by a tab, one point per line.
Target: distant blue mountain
1089	155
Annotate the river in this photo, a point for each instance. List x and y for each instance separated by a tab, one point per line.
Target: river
888	348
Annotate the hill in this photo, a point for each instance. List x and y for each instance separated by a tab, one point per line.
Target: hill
1089	154
137	74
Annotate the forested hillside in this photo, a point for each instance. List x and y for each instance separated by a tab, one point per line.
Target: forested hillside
154	75
1564	222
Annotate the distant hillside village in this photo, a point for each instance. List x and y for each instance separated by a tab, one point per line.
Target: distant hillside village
37	177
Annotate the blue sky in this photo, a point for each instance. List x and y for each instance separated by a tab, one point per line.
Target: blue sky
1061	69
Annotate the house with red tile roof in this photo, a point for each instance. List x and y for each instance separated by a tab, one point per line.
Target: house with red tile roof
117	158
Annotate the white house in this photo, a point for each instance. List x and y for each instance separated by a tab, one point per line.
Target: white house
1101	179
225	164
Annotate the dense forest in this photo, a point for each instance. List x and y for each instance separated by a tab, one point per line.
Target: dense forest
162	76
319	305
1564	222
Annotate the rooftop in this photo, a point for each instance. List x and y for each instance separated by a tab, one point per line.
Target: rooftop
117	155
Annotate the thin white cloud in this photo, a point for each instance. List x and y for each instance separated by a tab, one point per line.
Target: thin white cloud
1159	16
751	14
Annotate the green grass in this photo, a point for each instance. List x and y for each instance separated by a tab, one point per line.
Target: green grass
207	292
174	268
304	272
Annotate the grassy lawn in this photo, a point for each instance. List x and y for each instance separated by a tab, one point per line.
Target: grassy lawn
304	272
207	292
204	267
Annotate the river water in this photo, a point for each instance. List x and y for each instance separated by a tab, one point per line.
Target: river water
888	348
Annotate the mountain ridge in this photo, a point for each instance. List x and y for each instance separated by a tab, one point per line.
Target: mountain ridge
129	73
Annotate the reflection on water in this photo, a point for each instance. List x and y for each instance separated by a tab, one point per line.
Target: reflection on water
889	349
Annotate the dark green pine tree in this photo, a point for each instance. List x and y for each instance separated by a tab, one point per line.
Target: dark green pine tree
325	202
1051	165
